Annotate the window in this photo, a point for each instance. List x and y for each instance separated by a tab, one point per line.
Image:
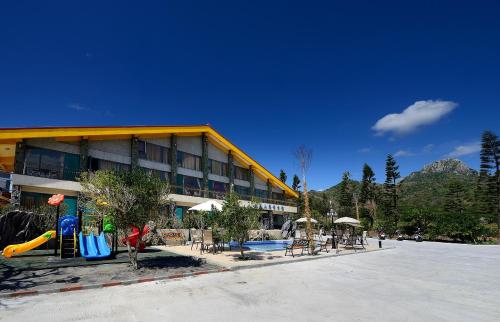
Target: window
98	164
261	194
241	173
217	167
163	175
51	164
217	189
190	186
153	152
242	191
188	161
277	196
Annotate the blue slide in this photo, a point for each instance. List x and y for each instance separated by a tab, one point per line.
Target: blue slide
92	247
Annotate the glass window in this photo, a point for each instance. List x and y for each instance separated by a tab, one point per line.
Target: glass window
163	175
98	164
277	196
189	161
153	152
242	191
261	194
217	168
51	164
191	186
241	173
217	189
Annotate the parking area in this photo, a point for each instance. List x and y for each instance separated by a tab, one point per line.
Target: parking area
412	282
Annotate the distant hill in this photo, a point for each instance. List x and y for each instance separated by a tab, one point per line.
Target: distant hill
427	185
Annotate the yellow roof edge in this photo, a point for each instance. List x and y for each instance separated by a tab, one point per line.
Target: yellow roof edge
89	131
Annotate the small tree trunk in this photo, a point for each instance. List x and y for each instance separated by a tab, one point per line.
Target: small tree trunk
241	249
134	261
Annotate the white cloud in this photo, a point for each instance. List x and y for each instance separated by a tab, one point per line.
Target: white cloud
364	150
404	153
414	116
77	107
465	149
428	148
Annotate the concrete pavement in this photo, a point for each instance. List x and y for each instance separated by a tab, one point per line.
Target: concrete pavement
413	282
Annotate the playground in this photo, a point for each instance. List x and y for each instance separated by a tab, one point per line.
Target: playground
82	251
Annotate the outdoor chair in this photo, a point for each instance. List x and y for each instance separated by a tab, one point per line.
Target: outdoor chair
297	244
324	242
196	238
364	239
207	241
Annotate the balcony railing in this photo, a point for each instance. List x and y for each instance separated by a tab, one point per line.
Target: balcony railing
60	174
196	192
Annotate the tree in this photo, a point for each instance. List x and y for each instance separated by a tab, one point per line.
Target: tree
367	194
346	196
304	156
391	193
296	183
131	198
237	220
456	220
283	176
489	176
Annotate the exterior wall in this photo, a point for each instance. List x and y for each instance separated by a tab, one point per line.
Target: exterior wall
154	165
189	144
242	183
111	150
189	172
216	154
51	144
215	177
165	142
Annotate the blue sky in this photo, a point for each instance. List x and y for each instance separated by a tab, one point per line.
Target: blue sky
269	75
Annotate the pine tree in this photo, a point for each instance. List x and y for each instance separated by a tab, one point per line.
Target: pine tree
346	196
390	187
489	177
455	198
296	183
283	176
367	194
366	191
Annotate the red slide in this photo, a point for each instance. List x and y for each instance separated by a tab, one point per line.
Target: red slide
133	237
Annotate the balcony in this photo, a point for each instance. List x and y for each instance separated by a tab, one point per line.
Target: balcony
196	192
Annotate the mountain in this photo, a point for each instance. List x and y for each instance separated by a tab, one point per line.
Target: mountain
428	186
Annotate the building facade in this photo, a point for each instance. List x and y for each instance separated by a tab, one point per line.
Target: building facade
198	162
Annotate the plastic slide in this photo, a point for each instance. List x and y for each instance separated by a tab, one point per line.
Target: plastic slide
92	247
17	249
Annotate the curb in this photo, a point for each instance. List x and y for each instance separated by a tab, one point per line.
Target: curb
80	287
308	258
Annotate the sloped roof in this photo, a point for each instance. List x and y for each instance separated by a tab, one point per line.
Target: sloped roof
9	136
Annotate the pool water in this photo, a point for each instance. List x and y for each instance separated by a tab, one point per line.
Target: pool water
264	246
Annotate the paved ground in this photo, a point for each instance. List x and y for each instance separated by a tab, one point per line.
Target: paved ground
230	259
413	282
41	272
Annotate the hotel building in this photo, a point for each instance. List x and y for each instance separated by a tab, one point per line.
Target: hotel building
199	163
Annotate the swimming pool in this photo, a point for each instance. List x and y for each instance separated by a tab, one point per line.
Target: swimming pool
264	246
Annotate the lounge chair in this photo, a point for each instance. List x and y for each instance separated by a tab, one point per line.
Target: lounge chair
207	241
196	238
297	244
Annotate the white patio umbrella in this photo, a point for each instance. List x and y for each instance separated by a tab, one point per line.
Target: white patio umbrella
348	221
304	219
207	206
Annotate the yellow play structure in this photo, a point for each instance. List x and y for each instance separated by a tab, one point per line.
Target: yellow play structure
17	249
